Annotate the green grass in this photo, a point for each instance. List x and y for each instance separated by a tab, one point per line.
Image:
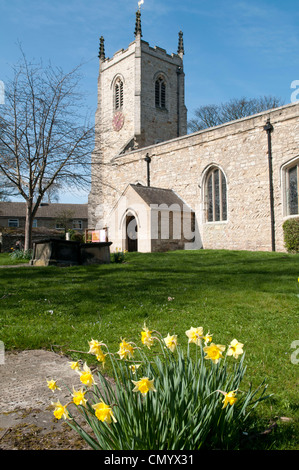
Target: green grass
251	296
6	259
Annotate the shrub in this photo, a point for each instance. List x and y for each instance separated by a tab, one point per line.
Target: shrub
291	235
77	237
21	254
169	402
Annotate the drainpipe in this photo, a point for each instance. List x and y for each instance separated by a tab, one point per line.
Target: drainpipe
269	129
148	161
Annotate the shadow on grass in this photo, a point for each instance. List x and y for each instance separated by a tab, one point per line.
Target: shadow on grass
160	275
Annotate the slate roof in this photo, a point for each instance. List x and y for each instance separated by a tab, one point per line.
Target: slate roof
152	195
46	211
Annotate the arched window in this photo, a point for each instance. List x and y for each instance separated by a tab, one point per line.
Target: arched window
160	93
216	196
292	189
118	94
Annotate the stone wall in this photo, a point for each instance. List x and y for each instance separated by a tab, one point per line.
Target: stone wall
9	237
240	150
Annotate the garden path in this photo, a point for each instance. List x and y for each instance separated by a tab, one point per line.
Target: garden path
26	421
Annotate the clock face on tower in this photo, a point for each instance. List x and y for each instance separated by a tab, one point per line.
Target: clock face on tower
118	121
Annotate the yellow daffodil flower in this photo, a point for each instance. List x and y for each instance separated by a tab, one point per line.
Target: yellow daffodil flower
195	335
60	411
95	347
101	357
207	338
86	376
146	337
53	385
104	412
79	397
75	365
171	342
229	398
144	385
125	350
134	368
235	349
214	352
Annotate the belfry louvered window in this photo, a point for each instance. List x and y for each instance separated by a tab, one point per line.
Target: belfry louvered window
216	196
119	94
160	93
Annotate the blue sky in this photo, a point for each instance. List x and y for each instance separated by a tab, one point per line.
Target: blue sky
233	48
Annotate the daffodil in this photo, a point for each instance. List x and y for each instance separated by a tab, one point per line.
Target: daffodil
134	368
125	350
86	376
144	385
79	397
214	352
104	412
171	342
95	347
195	335
75	365
101	357
53	385
60	411
207	338
235	349
229	398
146	337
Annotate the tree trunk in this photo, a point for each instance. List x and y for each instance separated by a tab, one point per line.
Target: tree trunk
28	226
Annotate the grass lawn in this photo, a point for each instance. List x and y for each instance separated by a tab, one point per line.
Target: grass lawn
250	296
6	259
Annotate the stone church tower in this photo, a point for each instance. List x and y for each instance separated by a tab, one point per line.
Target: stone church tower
140	103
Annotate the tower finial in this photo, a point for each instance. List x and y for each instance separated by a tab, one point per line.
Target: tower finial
181	51
102	49
138	31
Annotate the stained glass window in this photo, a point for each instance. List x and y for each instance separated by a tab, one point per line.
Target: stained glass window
216	196
292	190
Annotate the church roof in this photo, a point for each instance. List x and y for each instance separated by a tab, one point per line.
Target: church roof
152	195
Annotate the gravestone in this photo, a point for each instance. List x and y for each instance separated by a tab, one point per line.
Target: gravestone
53	252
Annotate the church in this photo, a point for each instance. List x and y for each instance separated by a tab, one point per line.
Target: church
157	188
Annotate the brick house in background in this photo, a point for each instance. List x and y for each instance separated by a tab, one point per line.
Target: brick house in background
50	221
12	214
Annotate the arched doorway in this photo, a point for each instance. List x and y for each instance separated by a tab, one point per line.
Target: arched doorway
131	233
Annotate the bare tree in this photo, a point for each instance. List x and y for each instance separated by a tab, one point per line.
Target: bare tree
43	138
7	190
64	218
215	115
52	193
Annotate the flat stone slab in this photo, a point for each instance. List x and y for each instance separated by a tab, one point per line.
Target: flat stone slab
26	421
